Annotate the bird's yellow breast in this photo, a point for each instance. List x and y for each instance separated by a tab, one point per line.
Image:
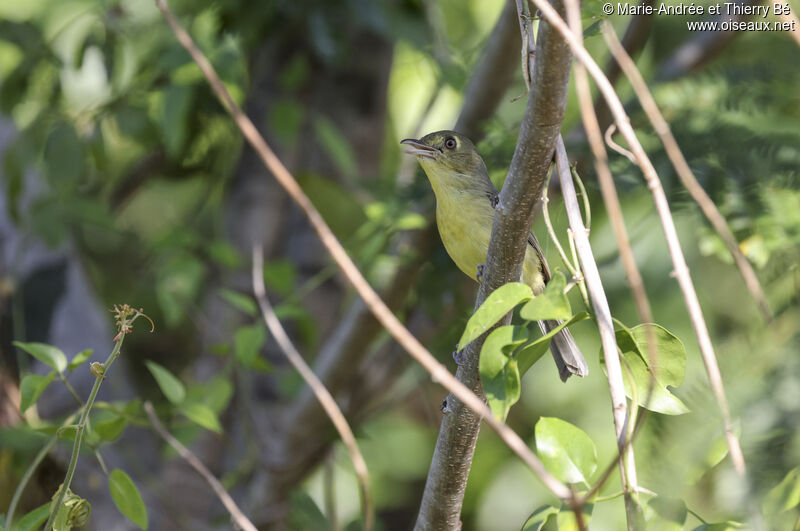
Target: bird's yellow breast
465	226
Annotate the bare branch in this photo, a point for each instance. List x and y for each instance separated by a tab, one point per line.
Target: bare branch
447	477
323	395
390	322
685	173
236	514
681	270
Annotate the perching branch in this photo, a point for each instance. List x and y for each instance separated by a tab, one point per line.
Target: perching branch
351	340
685	173
236	514
389	321
681	270
447	476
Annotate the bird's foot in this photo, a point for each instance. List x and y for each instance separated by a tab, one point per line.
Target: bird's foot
479	276
495	200
457	357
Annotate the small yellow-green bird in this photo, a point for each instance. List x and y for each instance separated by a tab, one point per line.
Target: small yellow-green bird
465	198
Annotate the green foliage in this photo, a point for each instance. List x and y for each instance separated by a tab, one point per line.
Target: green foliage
170	385
127	498
35	519
567	451
651	379
495	307
31	388
552	304
47	354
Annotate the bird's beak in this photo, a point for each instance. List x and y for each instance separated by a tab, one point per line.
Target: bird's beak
418	149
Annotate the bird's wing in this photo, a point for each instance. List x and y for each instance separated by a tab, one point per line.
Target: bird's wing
545	269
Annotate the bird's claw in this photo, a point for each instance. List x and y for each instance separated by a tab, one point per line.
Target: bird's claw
458	358
480	272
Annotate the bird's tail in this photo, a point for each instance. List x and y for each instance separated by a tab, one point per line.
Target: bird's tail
568	358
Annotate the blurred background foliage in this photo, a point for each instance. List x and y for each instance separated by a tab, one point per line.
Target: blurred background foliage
117	160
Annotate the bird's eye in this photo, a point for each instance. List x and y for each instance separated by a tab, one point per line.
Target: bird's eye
450	143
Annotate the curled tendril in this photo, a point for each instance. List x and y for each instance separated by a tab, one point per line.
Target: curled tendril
125	315
75	510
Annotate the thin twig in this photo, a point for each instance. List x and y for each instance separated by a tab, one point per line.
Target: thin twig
616	384
236	514
438	372
685	173
605	326
609	138
320	391
681	270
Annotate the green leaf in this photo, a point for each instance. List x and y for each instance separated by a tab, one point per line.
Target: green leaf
34	520
247	343
785	495
566	450
174	121
541	516
280	276
668	514
337	147
566	520
47	354
172	388
241	302
497	304
530	353
498	370
668	370
201	414
550	304
79	359
127	498
31	388
110	429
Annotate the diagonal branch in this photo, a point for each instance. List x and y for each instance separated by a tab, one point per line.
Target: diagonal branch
681	270
685	173
447	476
236	514
322	394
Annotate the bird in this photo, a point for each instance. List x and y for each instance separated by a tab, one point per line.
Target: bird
465	207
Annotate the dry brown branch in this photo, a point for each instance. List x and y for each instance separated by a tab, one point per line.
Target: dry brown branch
609	138
390	322
681	270
323	395
236	514
685	173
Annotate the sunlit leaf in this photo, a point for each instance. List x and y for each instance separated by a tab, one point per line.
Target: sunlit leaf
171	386
566	450
31	388
785	495
497	304
34	520
79	359
201	414
668	368
127	498
550	304
47	354
498	370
